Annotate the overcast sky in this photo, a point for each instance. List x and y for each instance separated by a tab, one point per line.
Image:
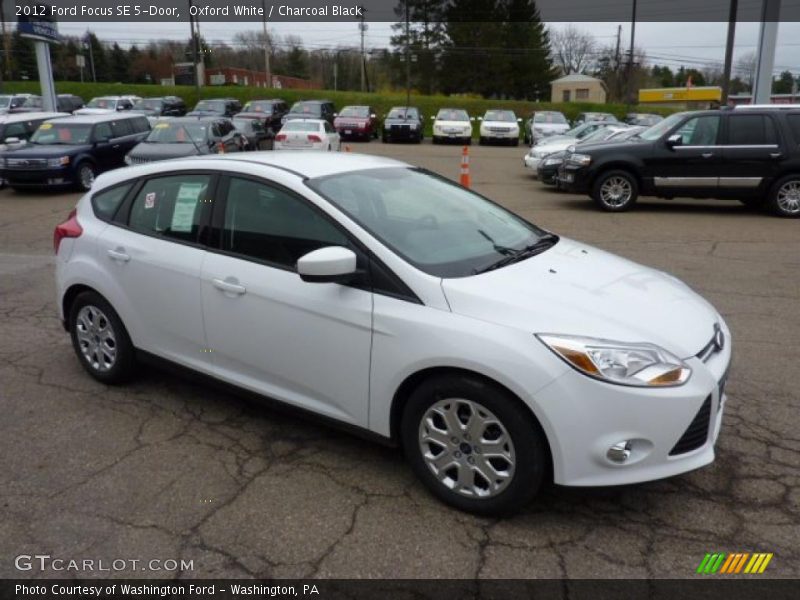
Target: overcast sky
692	44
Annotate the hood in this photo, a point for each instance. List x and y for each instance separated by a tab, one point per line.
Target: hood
551	145
401	121
509	124
49	150
580	290
614	146
548	127
460	124
165	151
94	111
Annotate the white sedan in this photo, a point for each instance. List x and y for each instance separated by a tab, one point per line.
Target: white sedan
392	301
307	134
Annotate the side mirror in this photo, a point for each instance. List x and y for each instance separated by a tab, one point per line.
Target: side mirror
335	114
332	264
519	120
12	140
676	139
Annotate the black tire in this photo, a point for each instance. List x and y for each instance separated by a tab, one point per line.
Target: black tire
629	190
468	141
784	197
482	141
528	444
124	365
384	139
82	171
515	142
434	140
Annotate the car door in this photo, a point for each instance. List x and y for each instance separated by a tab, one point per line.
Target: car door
269	331
751	154
151	255
123	139
690	166
104	155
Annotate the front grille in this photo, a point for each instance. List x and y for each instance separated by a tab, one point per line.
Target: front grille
499	129
697	432
26	163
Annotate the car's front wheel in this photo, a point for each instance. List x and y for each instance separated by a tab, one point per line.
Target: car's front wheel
100	339
85	173
784	199
473	444
615	191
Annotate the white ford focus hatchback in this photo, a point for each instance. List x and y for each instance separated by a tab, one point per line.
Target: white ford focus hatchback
392	301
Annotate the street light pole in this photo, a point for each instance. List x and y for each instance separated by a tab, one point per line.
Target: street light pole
267	69
408	57
726	71
630	56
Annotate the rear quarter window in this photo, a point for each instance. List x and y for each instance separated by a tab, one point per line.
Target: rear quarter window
106	202
794	126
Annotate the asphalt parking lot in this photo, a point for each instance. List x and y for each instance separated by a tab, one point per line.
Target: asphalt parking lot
166	469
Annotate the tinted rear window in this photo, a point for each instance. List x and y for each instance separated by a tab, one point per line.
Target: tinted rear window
751	130
794	125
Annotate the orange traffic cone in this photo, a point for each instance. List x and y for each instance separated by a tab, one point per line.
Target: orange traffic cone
220	148
465	180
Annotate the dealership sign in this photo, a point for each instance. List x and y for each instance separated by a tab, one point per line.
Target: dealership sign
34	22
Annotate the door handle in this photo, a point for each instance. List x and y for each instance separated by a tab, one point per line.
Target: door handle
707	154
229	286
116	146
119	255
775	155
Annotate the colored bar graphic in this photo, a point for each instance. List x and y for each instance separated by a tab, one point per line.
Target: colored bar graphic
734	563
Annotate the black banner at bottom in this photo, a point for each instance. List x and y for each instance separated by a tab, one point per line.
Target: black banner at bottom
404	589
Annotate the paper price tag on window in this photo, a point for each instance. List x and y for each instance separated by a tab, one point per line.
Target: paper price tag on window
46	126
150	200
185	207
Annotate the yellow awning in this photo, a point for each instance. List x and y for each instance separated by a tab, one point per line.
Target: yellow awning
693	94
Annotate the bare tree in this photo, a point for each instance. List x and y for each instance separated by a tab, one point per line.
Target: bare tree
746	67
573	50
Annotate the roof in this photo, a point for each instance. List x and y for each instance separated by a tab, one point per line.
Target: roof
29	116
576	78
304	164
100	118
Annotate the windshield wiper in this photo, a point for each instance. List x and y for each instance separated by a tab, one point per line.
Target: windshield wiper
548	240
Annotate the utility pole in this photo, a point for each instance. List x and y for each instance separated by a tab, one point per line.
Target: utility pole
91	55
630	57
617	79
362	26
193	41
267	70
726	71
408	57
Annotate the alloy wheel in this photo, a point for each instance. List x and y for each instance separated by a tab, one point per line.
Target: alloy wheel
86	176
96	338
467	448
788	199
616	191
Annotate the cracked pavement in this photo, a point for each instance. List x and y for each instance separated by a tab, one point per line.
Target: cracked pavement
165	468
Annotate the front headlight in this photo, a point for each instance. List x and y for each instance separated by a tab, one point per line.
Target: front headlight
58	162
641	364
579	159
549	162
539	153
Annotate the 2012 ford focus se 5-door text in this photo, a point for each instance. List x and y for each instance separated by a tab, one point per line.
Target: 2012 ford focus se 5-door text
396	303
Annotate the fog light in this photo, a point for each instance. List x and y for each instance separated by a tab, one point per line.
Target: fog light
619	452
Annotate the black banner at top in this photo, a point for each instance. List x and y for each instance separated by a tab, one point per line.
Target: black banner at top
616	11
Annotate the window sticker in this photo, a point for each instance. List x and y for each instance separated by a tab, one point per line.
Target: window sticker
46	126
150	200
185	206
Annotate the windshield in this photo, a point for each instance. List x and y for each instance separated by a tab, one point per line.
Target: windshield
662	127
259	107
5	101
62	133
599	135
499	115
452	114
302	108
355	111
149	104
211	106
402	113
175	132
549	117
108	103
434	224
300	126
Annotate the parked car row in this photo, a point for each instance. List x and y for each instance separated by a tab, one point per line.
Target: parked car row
749	153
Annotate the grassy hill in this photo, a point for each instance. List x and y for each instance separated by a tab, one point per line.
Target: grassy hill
382	102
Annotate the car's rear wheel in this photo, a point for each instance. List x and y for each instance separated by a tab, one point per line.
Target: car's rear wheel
85	173
100	339
615	191
473	444
784	199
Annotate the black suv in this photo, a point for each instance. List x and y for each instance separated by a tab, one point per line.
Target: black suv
403	123
221	107
165	106
311	109
71	150
68	103
749	153
269	112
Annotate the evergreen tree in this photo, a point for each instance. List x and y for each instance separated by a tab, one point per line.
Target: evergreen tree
97	54
425	37
23	58
784	83
529	68
119	64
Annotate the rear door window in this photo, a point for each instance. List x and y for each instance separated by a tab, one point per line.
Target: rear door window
171	206
751	130
120	128
106	203
794	125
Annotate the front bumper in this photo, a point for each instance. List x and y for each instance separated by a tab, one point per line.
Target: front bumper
402	132
583	418
49	177
573	178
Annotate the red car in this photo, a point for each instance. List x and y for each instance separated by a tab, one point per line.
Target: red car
357	122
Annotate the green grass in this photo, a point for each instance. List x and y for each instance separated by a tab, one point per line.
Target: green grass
382	102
